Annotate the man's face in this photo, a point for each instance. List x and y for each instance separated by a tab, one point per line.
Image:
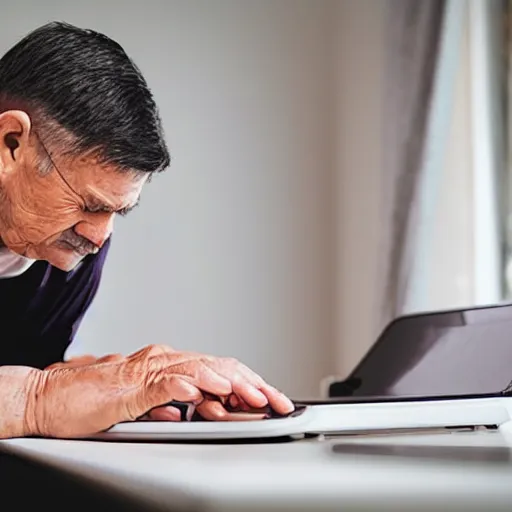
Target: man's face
65	213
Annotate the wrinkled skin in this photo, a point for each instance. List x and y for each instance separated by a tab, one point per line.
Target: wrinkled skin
64	214
60	216
85	396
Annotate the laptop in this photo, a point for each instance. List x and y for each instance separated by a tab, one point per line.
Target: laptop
440	369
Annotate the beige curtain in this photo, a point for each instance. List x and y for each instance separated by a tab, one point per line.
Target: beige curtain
506	212
418	84
421	49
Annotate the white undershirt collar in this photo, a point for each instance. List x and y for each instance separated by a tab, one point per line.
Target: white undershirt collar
12	264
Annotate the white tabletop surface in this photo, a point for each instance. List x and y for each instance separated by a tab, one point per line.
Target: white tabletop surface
300	475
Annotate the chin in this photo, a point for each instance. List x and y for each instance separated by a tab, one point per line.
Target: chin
67	266
63	259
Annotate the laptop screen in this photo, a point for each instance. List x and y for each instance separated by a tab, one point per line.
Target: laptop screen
467	352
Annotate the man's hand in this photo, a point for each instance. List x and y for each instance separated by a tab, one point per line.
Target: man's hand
88	395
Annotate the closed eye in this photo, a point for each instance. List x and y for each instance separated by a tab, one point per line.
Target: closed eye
125	211
107	209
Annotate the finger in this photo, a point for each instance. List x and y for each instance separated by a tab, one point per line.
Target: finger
189	364
202	376
214	411
248	393
164	390
278	401
180	390
250	387
245	382
167	413
235	403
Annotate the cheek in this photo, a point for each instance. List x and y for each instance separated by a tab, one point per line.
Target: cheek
43	210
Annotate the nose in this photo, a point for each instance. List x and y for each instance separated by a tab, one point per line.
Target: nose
97	228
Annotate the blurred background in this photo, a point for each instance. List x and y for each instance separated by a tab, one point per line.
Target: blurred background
336	163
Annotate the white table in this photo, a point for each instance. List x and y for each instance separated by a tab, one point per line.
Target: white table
300	475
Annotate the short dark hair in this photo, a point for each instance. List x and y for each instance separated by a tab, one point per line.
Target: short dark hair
84	81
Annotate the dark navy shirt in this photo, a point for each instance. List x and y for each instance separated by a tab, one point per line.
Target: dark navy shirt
41	310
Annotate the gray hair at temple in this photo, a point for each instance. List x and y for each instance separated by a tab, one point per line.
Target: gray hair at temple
86	95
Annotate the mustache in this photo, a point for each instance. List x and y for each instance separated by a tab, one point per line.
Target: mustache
77	242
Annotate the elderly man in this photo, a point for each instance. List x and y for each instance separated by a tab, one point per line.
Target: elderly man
80	136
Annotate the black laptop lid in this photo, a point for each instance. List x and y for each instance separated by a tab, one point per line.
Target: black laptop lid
465	352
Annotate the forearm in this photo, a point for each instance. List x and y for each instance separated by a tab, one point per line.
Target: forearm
15	385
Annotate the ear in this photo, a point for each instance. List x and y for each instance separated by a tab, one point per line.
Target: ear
15	126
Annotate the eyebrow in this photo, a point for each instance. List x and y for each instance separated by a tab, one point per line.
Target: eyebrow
95	205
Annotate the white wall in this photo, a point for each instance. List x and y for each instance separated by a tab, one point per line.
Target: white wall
359	72
261	241
231	251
